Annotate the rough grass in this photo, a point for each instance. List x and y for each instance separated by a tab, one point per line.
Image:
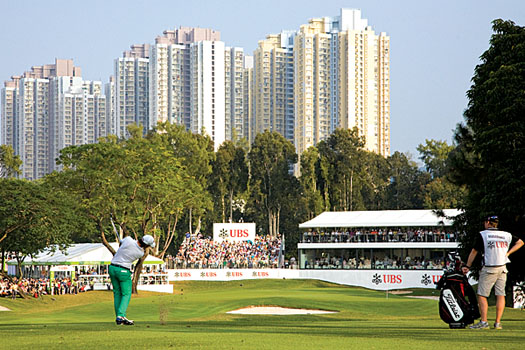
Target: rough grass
195	318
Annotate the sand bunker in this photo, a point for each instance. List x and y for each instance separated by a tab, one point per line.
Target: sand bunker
276	310
4	309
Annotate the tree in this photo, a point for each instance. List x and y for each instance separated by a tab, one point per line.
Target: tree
342	169
440	192
139	185
33	217
271	160
195	152
434	155
491	141
407	182
229	177
309	163
9	162
376	180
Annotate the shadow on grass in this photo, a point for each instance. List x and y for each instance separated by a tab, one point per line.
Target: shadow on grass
272	326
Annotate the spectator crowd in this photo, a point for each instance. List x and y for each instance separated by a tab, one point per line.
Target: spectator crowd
199	252
379	235
408	263
37	287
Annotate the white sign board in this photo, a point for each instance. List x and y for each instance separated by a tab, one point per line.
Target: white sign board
234	232
372	279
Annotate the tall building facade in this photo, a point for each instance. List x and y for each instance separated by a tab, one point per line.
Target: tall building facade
168	83
186	77
207	90
32	118
47	109
248	100
131	89
187	81
7	121
342	81
111	104
273	85
236	112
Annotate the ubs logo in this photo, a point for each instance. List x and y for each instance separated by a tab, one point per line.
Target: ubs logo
377	279
223	234
426	280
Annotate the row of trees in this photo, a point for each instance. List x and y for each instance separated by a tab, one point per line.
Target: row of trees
171	181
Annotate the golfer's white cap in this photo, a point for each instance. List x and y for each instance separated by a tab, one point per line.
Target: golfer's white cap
147	239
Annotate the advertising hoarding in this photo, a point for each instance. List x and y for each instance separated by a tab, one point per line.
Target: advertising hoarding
236	232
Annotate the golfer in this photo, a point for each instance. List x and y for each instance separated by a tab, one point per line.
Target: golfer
120	273
494	244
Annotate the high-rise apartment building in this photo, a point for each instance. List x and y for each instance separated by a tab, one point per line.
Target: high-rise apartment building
167	83
47	109
341	81
273	85
111	104
131	89
235	84
183	78
248	100
7	121
207	90
187	81
32	118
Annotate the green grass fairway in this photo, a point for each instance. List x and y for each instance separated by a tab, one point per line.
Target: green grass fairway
196	319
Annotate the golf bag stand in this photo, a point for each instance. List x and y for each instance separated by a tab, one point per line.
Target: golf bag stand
457	300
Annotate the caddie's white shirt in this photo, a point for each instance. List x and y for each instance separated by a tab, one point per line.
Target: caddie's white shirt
128	252
496	244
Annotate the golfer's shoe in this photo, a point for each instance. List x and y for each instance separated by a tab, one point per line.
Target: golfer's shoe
122	320
497	325
127	322
480	325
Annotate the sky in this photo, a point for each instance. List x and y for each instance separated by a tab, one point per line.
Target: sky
434	45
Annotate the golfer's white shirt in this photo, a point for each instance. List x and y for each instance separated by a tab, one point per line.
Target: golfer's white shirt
128	252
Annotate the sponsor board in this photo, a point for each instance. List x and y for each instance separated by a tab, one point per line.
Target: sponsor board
372	279
234	232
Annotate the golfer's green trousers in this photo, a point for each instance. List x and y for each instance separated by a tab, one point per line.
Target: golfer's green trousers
121	281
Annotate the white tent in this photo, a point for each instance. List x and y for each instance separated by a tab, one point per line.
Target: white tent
381	218
79	254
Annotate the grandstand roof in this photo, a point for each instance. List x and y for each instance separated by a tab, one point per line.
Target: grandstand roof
79	254
381	218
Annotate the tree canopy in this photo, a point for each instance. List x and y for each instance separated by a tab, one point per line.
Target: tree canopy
491	142
9	162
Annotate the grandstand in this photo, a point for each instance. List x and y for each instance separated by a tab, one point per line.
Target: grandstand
390	239
379	250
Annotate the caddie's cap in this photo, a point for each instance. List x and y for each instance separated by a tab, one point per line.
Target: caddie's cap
493	219
148	240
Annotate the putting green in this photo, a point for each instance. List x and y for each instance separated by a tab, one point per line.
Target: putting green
195	318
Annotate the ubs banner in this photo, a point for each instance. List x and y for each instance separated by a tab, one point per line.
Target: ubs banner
372	279
234	232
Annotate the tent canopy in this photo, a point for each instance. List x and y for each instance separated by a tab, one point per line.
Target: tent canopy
381	218
79	254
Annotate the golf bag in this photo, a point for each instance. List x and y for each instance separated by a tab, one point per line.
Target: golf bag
457	301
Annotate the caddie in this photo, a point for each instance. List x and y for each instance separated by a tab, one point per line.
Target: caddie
496	248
